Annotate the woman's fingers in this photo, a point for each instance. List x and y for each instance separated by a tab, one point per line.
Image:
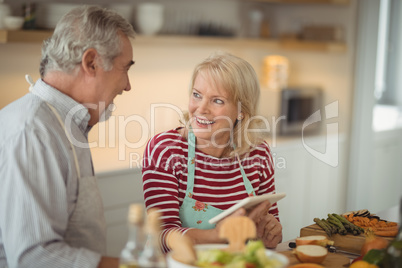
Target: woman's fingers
259	211
272	231
239	212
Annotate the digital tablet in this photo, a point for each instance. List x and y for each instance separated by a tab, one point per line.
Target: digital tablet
246	203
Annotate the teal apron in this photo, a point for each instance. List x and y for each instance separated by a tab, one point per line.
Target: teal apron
193	213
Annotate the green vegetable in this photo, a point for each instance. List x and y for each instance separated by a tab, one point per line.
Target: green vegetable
356	230
375	256
323	226
334	220
253	256
333	228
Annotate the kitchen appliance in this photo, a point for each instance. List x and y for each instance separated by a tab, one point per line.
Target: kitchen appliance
287	109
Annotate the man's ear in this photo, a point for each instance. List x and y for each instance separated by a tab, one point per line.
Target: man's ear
89	61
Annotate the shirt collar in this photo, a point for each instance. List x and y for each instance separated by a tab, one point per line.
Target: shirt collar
63	104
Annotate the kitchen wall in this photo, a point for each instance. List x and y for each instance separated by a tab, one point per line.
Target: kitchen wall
162	72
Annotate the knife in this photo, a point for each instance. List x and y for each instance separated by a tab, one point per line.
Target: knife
331	249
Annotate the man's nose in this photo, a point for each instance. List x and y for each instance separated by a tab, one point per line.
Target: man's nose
128	87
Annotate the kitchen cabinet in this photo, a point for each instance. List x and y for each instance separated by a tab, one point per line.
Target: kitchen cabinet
313	187
119	189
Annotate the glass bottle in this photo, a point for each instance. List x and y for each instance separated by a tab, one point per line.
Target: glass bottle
152	255
130	254
393	253
28	11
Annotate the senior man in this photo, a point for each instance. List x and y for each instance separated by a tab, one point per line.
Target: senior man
51	212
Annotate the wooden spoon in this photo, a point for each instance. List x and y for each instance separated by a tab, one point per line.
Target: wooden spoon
237	230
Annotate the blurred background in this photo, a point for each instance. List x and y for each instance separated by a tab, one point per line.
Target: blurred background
349	49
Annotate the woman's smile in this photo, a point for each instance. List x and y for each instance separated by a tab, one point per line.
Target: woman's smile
202	122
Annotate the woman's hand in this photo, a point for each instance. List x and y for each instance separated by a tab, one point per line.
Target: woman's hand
211	236
269	230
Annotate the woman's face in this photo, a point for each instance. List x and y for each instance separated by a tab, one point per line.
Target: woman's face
212	112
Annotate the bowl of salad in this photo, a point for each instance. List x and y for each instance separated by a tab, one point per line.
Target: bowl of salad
255	255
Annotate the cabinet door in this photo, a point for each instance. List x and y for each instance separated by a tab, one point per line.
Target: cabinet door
313	187
290	169
119	189
327	191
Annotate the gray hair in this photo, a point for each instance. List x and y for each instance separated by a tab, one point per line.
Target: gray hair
80	29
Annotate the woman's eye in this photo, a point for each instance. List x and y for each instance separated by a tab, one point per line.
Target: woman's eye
218	101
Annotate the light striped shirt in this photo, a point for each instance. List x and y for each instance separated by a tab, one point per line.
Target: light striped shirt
218	181
38	180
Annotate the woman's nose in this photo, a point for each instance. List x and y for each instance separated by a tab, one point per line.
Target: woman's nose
203	106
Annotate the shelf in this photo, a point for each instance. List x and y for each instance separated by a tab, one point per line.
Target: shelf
288	44
181	40
332	2
336	47
21	36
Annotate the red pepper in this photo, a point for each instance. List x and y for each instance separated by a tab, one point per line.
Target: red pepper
357	259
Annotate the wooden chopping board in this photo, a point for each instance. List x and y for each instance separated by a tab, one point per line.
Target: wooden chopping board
333	260
349	242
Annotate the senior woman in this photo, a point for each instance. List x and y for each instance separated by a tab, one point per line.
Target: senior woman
214	160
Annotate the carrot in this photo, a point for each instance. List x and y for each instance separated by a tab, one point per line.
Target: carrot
380	227
387	233
388	228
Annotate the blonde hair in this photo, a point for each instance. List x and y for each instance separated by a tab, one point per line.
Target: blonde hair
238	77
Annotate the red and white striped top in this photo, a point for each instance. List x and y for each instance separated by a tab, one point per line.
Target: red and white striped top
217	181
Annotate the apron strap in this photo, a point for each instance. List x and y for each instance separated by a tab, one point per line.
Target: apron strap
247	182
77	167
30	82
190	163
31	85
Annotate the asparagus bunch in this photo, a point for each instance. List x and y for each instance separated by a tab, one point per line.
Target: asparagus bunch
337	224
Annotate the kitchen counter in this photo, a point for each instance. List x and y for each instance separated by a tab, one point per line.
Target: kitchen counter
390	214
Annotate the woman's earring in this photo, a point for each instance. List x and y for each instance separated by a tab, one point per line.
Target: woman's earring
240	117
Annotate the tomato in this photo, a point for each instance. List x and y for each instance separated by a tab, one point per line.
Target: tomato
358	259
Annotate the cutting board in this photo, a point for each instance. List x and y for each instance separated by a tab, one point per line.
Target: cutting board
349	242
333	260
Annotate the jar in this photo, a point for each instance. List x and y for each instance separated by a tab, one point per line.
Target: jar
5	11
275	72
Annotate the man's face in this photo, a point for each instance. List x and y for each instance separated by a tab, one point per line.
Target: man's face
113	82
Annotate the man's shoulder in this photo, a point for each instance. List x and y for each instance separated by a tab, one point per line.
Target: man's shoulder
26	114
